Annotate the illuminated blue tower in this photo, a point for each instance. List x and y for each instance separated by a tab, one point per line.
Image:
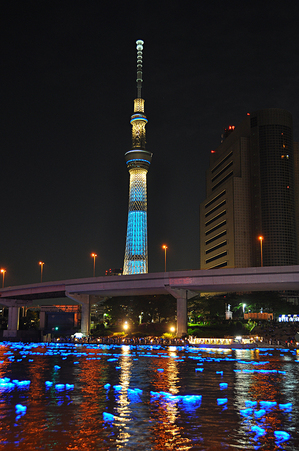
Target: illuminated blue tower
138	160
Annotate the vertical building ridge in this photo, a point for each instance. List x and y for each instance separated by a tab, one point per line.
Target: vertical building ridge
138	160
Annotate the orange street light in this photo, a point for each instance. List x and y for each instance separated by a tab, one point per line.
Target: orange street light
261	238
3	273
41	270
94	263
165	248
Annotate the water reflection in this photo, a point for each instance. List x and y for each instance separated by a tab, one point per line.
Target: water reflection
147	398
261	391
165	432
123	410
85	406
35	420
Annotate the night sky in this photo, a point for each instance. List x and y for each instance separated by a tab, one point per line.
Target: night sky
67	91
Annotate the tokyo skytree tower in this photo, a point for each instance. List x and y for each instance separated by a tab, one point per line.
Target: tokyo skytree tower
138	160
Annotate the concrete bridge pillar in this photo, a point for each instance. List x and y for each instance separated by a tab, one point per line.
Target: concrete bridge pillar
85	301
182	297
13	322
42	319
85	314
182	316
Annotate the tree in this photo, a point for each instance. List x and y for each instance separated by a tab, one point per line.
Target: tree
30	321
198	308
146	309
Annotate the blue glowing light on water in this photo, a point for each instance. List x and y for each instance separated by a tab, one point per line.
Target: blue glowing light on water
146	397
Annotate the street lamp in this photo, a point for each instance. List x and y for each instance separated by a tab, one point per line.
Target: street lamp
3	274
261	238
41	270
94	263
126	325
165	248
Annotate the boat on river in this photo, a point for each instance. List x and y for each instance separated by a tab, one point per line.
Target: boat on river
232	343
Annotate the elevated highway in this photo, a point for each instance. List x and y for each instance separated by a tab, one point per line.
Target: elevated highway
183	285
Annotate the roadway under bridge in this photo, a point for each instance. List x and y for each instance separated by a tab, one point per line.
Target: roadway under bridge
183	285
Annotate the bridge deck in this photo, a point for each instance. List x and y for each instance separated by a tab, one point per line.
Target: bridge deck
272	278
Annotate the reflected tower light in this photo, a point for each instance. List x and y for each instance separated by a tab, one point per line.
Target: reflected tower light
261	238
165	249
41	270
3	276
94	263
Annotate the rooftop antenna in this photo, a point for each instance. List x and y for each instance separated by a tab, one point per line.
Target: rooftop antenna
139	47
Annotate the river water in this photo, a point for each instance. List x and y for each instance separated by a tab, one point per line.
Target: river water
111	397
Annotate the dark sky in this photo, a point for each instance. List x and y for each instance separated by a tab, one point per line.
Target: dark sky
67	91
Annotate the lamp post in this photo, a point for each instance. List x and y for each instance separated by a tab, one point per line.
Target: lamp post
3	274
165	248
94	263
41	270
261	238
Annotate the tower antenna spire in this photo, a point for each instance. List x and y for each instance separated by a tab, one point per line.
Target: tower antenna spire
139	47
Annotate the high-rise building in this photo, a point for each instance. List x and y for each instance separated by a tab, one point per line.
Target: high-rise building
138	160
250	215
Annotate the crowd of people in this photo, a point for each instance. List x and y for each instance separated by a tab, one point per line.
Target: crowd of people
280	333
126	340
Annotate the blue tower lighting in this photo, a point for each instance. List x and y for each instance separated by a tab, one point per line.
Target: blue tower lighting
138	160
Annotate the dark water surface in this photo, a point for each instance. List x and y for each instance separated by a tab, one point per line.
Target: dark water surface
108	397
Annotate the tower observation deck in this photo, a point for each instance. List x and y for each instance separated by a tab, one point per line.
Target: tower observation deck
138	160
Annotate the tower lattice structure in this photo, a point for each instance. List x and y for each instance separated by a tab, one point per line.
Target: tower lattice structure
138	160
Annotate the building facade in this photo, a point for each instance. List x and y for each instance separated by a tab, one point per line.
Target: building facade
251	210
138	160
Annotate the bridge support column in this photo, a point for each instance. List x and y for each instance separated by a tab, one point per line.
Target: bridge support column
84	301
182	297
182	318
85	314
13	322
42	320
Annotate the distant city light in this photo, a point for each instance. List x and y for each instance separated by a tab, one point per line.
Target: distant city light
261	238
3	274
78	335
94	263
41	270
165	249
288	318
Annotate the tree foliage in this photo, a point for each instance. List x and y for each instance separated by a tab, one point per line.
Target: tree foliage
140	309
204	308
30	321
